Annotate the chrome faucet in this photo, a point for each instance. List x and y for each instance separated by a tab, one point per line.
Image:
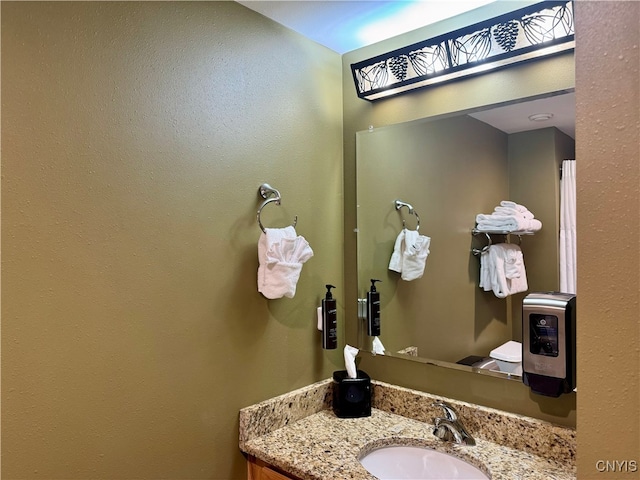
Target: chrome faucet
449	428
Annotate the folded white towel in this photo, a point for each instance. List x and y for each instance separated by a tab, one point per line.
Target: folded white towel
508	217
410	254
281	253
507	223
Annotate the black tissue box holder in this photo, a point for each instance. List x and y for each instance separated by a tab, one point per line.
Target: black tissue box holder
351	396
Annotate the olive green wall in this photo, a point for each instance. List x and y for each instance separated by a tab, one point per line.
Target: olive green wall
536	78
134	138
535	158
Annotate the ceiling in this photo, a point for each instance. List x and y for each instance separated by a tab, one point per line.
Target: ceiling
514	118
346	25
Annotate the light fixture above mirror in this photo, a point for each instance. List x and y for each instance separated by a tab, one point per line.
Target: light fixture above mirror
526	34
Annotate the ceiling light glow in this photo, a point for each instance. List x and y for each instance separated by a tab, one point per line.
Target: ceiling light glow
404	16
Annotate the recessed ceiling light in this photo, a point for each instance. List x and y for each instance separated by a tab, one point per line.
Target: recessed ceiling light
540	117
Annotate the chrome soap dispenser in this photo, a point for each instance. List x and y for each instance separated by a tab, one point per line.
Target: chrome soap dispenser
373	310
549	342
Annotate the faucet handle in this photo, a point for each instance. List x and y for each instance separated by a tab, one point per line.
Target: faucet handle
441	431
452	431
449	412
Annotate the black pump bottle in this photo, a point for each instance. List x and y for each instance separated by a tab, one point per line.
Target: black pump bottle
373	310
329	321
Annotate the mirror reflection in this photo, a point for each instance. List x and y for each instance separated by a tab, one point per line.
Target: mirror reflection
448	170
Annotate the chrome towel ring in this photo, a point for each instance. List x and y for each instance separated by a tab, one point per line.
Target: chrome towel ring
399	204
270	195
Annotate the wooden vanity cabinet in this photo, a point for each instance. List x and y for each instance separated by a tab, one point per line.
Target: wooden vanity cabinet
259	470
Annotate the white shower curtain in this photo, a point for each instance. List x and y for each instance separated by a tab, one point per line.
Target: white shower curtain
568	227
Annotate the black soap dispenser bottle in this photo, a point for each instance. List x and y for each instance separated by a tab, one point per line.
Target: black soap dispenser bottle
329	321
373	310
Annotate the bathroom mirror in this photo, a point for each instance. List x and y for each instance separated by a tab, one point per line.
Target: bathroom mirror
449	169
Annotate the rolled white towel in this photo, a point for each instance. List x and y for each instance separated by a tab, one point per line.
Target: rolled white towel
534	225
515	206
527	215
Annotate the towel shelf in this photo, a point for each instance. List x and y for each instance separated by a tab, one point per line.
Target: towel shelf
488	233
519	233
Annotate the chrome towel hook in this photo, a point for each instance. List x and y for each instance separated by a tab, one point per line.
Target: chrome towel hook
478	251
487	234
270	195
399	204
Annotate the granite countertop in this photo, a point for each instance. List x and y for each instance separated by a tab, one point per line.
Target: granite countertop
299	434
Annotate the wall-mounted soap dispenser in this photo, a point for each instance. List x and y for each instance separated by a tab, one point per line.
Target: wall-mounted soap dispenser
549	342
329	320
373	310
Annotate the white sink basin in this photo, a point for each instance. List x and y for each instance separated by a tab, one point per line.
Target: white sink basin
417	463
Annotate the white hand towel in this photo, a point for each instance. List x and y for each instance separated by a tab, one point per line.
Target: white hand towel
514	269
414	255
281	254
498	278
395	263
512	261
504	271
518	284
485	271
267	239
